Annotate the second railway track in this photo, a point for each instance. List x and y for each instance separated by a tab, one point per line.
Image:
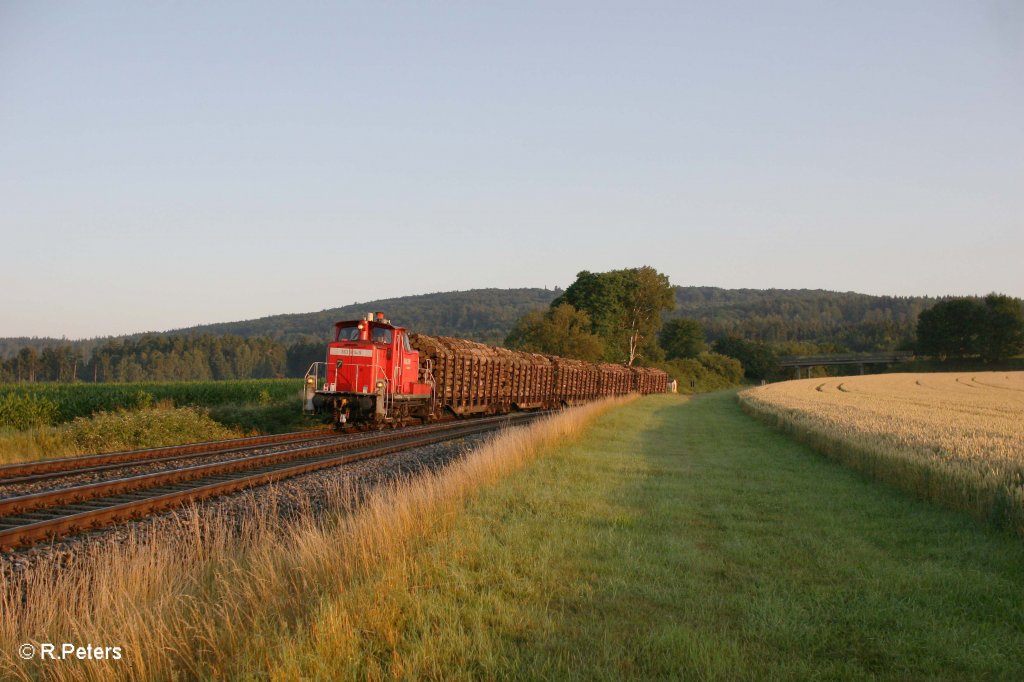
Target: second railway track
31	472
35	517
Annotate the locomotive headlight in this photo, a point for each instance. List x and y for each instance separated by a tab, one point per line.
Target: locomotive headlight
380	384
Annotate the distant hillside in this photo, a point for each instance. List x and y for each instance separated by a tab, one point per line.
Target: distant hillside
852	320
481	314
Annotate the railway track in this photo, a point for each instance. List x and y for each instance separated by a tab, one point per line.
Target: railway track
30	472
31	518
15	478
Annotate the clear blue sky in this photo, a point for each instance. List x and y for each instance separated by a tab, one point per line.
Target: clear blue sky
174	163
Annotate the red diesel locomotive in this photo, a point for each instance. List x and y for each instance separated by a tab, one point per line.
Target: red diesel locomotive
378	374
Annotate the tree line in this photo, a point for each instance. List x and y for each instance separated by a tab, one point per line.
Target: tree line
988	330
856	322
851	320
629	316
991	328
152	358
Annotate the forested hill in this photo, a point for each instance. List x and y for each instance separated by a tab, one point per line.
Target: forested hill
850	320
856	321
479	314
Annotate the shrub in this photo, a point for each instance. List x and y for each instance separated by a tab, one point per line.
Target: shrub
707	372
148	428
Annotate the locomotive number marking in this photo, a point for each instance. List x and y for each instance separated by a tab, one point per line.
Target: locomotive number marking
352	351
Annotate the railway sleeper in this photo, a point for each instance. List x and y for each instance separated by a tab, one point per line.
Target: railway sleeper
119	499
73	508
41	516
93	505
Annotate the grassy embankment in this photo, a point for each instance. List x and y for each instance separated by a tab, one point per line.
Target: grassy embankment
57	420
673	540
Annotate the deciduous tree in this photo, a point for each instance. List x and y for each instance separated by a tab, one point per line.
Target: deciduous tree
758	359
561	330
624	306
681	338
1002	328
950	328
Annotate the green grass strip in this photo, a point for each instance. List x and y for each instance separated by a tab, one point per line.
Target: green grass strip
684	540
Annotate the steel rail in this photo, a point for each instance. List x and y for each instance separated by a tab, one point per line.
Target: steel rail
323	434
81	493
11	473
65	473
114	507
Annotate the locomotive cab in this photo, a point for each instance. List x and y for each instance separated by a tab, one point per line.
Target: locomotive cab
371	375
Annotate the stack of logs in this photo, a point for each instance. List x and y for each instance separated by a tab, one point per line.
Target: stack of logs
473	378
649	380
615	379
576	381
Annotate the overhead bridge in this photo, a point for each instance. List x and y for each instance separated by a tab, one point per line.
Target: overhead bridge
798	362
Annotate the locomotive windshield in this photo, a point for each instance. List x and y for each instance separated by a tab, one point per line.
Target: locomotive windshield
348	333
351	333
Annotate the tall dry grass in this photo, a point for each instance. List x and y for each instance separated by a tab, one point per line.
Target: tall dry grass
956	439
212	598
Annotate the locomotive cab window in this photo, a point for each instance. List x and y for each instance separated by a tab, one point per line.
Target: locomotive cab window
348	333
381	335
405	343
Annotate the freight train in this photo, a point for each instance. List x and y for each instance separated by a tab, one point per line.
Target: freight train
377	374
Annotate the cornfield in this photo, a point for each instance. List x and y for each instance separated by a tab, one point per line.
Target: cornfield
55	403
956	439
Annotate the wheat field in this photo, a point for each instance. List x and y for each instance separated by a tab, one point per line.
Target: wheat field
954	438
